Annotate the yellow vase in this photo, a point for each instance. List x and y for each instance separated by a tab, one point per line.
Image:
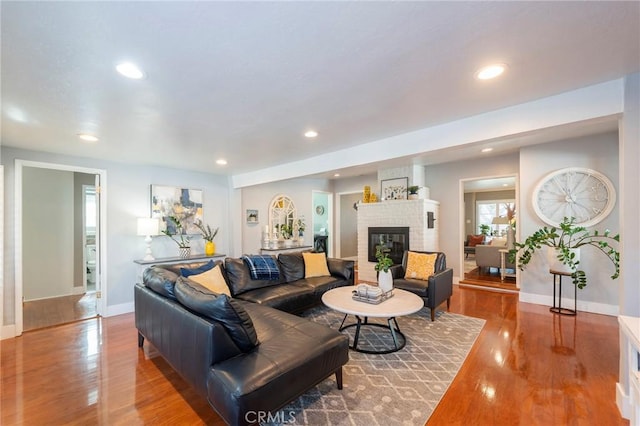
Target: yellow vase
209	248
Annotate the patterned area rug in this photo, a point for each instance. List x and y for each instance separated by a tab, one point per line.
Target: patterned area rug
401	388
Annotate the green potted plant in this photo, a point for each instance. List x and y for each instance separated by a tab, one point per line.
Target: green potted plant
385	279
564	242
208	235
485	229
183	241
413	192
301	227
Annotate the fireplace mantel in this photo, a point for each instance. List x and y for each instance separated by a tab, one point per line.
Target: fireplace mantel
394	213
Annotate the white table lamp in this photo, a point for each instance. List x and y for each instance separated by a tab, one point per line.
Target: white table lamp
148	226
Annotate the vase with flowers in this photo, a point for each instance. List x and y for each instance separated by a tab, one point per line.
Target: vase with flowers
208	234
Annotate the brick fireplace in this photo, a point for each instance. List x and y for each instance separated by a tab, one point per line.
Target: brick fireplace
413	214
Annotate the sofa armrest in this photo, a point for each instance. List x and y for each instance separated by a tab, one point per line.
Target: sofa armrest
341	268
440	287
397	271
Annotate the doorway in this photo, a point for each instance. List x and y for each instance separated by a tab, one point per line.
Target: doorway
58	259
322	223
486	203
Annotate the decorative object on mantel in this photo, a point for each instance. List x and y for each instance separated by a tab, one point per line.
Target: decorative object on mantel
385	279
373	198
208	235
394	189
562	246
252	217
182	203
176	228
413	192
148	227
366	194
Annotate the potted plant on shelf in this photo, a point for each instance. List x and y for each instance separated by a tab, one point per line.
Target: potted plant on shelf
563	245
183	241
301	227
208	235
385	279
413	192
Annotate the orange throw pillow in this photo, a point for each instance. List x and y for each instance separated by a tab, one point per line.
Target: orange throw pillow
474	240
420	266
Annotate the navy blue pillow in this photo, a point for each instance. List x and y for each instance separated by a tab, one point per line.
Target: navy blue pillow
186	272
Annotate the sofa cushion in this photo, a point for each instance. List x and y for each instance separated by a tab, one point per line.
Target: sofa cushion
288	297
420	265
221	308
292	265
239	279
213	279
315	265
187	272
474	240
160	280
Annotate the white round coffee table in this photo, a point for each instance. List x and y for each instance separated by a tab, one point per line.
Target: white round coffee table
402	303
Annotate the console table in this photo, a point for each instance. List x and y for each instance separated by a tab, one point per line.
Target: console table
144	264
277	251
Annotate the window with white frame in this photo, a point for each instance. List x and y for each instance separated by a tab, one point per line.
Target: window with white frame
487	212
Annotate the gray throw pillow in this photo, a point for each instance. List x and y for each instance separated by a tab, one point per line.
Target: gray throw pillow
221	308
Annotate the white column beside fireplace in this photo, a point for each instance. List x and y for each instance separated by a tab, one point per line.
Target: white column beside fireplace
393	213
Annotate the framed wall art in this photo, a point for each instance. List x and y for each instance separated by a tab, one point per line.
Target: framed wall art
183	203
394	189
252	216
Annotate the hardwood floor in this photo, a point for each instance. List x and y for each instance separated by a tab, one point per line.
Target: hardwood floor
528	367
58	310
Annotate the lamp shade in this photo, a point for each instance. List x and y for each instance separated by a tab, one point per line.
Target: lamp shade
148	226
500	220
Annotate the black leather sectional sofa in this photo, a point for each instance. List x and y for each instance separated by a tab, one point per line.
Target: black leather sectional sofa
247	354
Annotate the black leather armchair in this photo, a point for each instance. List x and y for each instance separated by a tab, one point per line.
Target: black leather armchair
434	291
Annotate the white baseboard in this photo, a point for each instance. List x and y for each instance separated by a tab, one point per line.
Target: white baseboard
123	308
584	306
7	331
623	402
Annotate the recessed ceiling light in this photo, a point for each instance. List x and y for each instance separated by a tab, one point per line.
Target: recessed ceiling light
490	71
505	184
486	150
311	134
336	175
130	70
87	137
221	162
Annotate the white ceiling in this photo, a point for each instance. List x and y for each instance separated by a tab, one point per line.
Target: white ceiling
244	80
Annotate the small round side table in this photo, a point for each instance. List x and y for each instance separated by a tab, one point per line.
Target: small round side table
557	277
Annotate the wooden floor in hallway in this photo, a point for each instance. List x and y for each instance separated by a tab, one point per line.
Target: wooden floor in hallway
58	310
527	367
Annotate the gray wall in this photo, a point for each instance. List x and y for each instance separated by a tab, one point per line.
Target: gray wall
127	198
259	197
599	152
47	237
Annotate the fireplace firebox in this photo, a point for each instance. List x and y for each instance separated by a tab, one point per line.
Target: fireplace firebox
395	240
